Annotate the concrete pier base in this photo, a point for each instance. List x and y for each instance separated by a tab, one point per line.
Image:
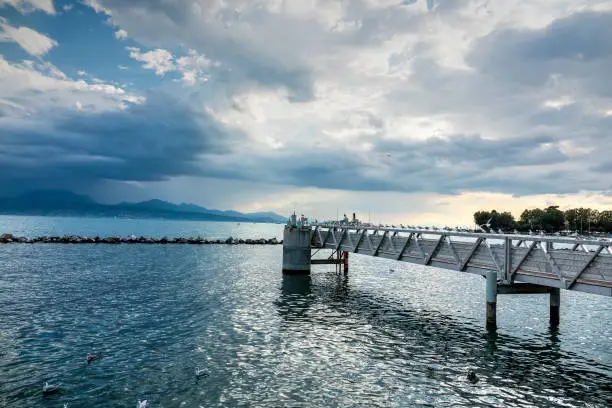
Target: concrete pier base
555	303
491	300
296	250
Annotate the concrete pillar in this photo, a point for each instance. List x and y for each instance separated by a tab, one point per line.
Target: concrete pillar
296	250
555	303
491	300
345	259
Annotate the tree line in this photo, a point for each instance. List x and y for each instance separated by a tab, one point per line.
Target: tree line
549	219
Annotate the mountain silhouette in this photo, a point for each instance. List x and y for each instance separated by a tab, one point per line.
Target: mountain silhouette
66	203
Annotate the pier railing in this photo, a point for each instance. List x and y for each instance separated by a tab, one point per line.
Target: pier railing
555	262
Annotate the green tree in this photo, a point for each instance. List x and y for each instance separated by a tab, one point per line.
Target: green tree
553	219
604	223
504	220
481	217
532	219
583	219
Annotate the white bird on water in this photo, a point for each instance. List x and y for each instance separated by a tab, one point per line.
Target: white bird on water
49	388
200	372
142	404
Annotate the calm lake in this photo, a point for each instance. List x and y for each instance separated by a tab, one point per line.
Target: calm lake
387	335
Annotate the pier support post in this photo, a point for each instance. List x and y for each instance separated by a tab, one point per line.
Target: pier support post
555	303
345	259
491	300
296	249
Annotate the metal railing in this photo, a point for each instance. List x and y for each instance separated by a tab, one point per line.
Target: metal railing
558	262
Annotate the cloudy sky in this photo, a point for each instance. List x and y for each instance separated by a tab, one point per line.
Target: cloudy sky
419	111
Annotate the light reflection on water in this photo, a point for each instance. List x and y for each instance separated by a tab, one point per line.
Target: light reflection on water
374	338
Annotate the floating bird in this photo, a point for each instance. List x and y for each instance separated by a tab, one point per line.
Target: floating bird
92	357
472	377
142	404
50	388
200	372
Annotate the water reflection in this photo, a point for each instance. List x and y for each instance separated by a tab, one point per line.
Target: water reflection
296	296
440	347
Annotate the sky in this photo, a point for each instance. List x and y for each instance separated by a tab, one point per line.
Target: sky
414	111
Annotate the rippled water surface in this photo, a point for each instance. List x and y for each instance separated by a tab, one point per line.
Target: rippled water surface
388	334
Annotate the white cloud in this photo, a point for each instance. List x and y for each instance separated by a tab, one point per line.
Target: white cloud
33	42
193	67
42	88
159	60
122	67
28	6
121	34
51	70
67	7
98	8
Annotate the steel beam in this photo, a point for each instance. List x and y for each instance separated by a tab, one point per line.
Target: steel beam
406	244
375	253
359	240
434	250
474	248
585	266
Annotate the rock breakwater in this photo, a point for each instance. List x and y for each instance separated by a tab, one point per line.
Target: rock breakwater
132	239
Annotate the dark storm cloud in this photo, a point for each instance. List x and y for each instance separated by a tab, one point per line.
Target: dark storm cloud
577	47
150	142
476	151
444	165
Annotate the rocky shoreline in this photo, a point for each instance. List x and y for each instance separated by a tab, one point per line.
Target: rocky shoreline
132	239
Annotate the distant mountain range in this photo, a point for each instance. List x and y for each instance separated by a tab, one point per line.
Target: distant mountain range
57	202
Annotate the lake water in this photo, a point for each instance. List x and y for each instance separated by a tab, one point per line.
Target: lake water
388	335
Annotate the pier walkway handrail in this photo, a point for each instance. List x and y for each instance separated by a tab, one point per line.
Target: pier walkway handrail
556	262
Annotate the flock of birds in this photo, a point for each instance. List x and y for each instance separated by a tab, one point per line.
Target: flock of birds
486	228
49	389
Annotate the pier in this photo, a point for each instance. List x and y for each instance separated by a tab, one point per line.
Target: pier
512	264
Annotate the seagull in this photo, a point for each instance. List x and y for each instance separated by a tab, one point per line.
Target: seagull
487	224
92	357
200	372
50	388
142	404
